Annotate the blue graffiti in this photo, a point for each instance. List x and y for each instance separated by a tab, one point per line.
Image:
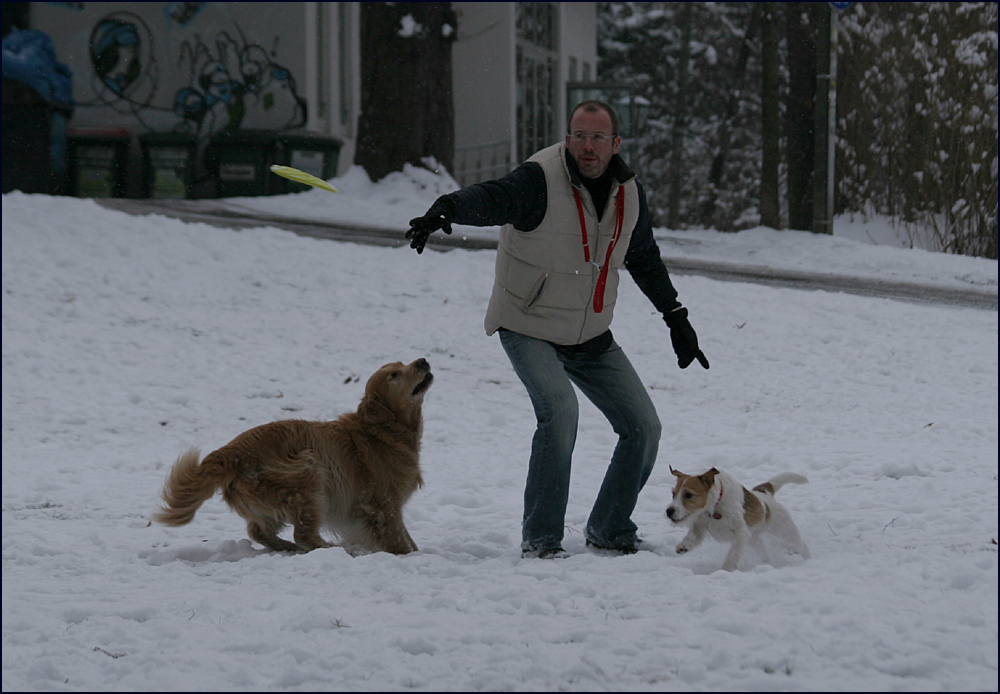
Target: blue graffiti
114	53
182	12
227	81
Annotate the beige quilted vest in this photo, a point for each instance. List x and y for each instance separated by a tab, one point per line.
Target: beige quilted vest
548	284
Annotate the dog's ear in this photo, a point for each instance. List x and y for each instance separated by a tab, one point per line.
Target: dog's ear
709	477
676	473
374	412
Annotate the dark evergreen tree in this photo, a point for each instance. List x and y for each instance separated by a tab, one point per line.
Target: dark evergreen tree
917	120
407	111
916	113
642	44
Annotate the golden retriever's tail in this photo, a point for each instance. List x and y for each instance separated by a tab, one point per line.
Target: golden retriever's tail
189	486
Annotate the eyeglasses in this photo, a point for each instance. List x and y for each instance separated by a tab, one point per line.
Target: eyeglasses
596	138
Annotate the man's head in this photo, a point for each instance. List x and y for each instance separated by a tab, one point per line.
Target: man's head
592	137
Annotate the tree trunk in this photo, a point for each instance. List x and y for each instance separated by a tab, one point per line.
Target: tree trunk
680	120
770	186
407	112
800	123
826	72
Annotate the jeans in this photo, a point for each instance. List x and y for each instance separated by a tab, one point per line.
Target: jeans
610	382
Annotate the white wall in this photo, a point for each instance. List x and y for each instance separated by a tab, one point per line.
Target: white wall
484	65
233	61
577	38
332	55
247	63
483	72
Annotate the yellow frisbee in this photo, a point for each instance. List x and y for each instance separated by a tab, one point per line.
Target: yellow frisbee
302	177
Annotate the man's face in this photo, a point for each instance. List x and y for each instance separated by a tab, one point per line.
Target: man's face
590	142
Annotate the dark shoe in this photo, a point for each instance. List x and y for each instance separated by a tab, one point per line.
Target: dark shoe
615	551
547	553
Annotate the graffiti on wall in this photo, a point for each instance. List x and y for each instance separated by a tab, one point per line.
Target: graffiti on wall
230	77
183	12
227	79
125	73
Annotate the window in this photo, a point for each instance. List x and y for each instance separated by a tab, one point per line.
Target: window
537	77
536	24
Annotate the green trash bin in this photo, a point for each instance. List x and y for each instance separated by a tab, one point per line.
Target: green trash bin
97	162
167	164
309	152
34	140
241	161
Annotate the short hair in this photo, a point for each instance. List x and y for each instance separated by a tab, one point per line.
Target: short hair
592	106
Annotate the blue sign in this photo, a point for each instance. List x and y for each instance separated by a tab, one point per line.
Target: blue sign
841	5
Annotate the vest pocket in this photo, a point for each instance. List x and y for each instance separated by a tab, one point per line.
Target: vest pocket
535	292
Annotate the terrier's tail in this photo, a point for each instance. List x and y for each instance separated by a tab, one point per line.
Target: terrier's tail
779	481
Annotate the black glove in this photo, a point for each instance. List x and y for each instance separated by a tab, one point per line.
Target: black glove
439	216
683	337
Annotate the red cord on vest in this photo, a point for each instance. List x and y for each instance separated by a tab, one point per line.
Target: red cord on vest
602	280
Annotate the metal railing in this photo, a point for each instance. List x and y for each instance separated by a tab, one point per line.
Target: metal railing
477	163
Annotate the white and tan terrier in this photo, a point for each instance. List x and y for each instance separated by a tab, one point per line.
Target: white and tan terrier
715	503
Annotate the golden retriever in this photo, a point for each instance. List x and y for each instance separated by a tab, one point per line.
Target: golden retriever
352	475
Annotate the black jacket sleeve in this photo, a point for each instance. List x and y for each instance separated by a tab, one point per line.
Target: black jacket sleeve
644	263
519	198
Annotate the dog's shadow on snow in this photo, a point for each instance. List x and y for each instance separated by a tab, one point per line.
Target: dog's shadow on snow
207	552
707	559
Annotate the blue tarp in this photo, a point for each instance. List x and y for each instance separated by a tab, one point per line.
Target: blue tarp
30	58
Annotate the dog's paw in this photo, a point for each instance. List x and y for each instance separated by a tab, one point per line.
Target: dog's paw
683	547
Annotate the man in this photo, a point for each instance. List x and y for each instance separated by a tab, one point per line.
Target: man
572	215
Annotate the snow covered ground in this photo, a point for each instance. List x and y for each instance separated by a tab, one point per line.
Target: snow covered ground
860	247
127	340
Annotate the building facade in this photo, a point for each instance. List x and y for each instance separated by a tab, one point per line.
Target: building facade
202	68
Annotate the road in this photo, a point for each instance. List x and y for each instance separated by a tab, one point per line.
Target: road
216	214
